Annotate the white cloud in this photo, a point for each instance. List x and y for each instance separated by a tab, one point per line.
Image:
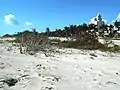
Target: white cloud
113	21
118	16
105	21
10	19
28	23
95	19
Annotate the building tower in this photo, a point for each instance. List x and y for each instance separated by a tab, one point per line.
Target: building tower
99	22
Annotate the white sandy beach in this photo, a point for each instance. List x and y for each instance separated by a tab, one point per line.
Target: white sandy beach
70	69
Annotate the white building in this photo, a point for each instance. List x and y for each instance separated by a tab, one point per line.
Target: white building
100	22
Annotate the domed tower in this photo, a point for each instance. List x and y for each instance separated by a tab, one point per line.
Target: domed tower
99	17
99	22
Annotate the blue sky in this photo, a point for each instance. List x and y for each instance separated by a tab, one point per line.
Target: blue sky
18	15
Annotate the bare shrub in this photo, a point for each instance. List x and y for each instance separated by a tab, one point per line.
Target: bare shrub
32	42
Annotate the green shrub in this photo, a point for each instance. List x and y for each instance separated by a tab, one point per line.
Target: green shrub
85	40
114	49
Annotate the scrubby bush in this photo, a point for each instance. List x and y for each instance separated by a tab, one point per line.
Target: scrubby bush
32	42
89	40
114	49
84	40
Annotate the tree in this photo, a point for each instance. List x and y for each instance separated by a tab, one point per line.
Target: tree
66	31
47	31
84	26
7	35
72	29
91	26
111	30
117	24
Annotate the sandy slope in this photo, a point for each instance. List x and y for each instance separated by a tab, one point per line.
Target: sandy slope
69	70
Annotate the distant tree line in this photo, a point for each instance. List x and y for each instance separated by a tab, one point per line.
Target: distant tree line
85	35
74	30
